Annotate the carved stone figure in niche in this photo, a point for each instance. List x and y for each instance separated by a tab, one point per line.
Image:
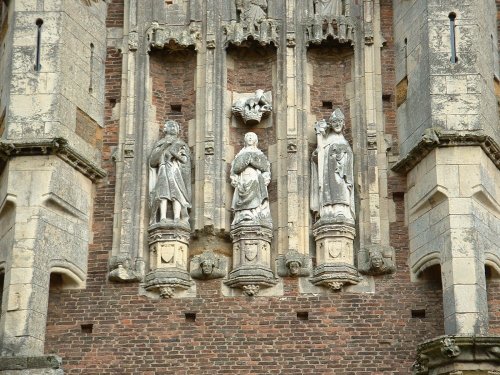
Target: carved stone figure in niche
332	193
328	8
250	175
251	110
170	177
252	12
208	266
378	260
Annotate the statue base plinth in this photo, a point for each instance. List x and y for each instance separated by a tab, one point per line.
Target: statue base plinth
166	281
334	255
335	275
168	253
251	259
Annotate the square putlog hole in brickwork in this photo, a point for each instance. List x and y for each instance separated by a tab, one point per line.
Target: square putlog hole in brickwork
87	328
327	104
190	316
176	108
418	313
302	315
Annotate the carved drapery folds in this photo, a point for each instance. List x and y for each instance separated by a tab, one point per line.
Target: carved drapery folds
251	229
332	204
252	109
169	201
331	20
253	23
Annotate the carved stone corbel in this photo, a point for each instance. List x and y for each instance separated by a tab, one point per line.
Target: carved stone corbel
293	264
377	260
121	269
208	266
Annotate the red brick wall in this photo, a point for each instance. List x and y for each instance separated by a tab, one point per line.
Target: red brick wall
347	333
173	74
253	69
332	70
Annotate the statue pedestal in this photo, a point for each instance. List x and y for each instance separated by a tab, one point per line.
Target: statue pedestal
334	255
251	259
168	249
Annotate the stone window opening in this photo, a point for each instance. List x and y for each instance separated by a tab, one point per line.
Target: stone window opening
91	67
39	23
453	46
2	283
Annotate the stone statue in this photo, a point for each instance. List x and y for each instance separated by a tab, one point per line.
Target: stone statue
170	177
332	193
327	8
250	175
253	109
252	12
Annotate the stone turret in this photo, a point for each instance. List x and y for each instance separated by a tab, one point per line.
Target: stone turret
52	76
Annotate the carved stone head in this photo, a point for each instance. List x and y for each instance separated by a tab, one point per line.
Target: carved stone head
171	127
337	121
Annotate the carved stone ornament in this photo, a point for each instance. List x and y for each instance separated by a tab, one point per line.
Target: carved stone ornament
449	348
122	270
377	260
331	20
251	229
159	36
332	204
169	201
208	266
252	109
467	353
252	23
133	40
293	264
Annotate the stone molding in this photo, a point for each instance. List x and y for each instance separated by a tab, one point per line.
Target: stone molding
339	28
463	352
20	363
54	146
159	35
434	138
265	33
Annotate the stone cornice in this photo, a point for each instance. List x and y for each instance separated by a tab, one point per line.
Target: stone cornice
53	146
434	138
464	350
